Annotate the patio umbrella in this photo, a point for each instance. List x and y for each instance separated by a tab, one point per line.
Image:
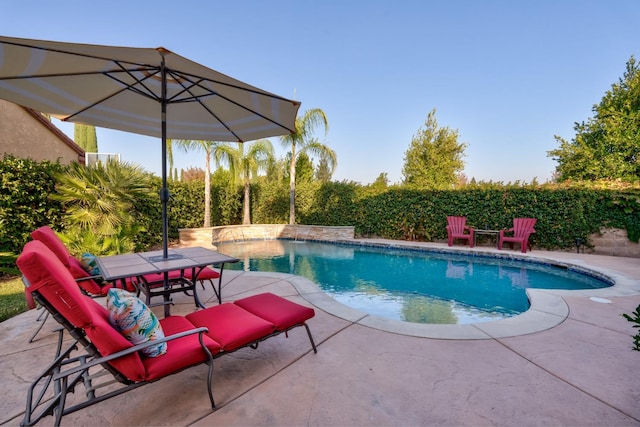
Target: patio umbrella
147	91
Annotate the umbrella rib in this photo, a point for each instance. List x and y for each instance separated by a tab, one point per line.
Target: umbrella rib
187	77
66	52
180	79
127	86
250	110
68	74
153	71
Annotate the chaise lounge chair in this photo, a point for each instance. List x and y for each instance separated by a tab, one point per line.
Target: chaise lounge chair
97	345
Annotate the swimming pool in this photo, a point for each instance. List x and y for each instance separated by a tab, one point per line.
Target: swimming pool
411	285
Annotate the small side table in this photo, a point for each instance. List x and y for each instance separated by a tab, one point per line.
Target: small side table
482	232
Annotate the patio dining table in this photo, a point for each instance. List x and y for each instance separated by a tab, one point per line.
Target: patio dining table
122	267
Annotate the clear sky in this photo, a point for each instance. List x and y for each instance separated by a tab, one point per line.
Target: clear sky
508	75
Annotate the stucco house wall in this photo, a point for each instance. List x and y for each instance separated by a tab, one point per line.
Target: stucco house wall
25	133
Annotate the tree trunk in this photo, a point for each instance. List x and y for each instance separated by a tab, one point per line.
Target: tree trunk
207	191
246	217
292	186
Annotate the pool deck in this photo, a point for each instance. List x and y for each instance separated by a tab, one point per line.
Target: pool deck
566	362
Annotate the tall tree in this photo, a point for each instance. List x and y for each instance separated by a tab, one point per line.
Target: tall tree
209	148
323	173
434	158
607	146
85	136
303	141
245	165
258	157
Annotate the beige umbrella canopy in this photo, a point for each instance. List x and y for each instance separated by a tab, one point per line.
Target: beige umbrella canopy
145	91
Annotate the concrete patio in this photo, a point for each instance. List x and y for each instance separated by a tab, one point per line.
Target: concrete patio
567	361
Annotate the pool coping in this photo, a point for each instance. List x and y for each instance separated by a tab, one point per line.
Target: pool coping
547	309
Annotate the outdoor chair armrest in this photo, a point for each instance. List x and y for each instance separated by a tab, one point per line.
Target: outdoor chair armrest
506	230
103	359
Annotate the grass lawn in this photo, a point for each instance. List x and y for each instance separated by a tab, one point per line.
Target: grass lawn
12	300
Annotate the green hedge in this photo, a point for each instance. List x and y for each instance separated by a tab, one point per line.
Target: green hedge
564	212
25	186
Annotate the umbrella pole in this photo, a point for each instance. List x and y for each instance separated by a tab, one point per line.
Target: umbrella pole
164	192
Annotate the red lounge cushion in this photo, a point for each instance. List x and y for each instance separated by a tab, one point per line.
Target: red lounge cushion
52	279
277	310
108	341
51	240
231	326
181	353
157	279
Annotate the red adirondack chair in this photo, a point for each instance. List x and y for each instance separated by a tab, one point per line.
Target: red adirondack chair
457	225
522	229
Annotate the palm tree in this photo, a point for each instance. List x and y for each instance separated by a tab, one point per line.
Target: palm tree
170	153
209	148
99	205
302	141
244	167
258	157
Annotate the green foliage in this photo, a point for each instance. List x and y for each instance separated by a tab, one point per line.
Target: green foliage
186	204
252	158
323	172
8	264
25	205
635	318
434	157
607	146
230	204
304	168
270	202
12	300
564	211
303	141
85	136
100	206
329	203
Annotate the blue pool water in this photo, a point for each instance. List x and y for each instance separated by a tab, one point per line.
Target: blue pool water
409	285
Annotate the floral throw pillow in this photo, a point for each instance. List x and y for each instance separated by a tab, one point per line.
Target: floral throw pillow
135	321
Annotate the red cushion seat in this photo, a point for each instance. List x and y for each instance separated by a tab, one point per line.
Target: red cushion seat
157	279
181	353
231	326
283	313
